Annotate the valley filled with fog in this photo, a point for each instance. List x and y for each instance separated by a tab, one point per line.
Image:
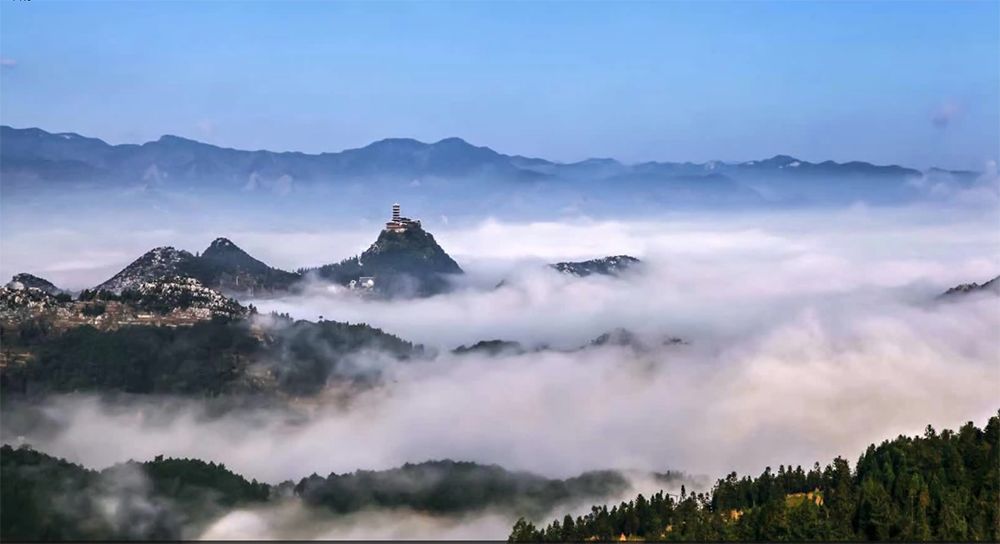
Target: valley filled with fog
803	335
500	271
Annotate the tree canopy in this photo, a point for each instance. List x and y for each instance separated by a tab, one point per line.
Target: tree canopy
939	486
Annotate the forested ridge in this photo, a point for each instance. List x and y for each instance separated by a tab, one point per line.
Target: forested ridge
45	498
450	487
939	486
207	358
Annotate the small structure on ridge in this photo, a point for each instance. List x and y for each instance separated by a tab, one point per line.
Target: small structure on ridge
400	223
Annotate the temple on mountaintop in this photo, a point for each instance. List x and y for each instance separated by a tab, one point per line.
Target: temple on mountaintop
400	223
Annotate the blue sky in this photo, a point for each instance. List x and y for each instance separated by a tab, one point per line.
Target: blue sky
888	82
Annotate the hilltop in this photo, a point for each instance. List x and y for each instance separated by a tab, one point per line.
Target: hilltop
155	264
228	268
30	281
405	260
223	266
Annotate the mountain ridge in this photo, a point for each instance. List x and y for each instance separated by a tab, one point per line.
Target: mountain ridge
453	172
222	266
991	286
405	260
449	155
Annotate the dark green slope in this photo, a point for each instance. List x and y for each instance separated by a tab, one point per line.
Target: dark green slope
408	263
226	267
45	498
939	486
450	487
208	358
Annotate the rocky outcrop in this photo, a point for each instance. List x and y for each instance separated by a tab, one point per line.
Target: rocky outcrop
605	266
990	287
30	281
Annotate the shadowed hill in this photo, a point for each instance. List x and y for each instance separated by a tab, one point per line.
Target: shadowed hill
226	267
407	263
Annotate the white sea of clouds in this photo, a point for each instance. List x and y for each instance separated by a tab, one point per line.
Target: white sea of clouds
807	336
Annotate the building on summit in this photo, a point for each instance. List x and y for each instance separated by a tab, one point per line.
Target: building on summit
364	282
400	223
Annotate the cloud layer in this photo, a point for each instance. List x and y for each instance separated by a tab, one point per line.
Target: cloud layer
808	336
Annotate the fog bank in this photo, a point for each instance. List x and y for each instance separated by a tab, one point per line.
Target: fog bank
807	337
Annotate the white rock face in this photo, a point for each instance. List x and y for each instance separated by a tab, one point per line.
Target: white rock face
157	263
189	294
20	301
174	300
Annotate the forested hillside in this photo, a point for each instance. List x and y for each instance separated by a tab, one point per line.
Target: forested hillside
45	498
939	486
450	487
211	357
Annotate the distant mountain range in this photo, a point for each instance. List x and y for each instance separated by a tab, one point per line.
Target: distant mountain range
32	158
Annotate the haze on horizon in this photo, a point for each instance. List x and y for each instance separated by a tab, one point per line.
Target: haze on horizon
889	83
662	324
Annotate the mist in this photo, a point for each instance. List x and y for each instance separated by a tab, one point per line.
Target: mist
290	519
806	336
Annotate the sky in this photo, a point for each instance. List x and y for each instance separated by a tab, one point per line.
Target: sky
888	82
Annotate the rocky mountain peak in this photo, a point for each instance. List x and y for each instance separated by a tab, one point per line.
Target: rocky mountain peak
220	244
411	250
991	286
156	263
606	266
30	281
166	254
223	251
224	265
404	260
